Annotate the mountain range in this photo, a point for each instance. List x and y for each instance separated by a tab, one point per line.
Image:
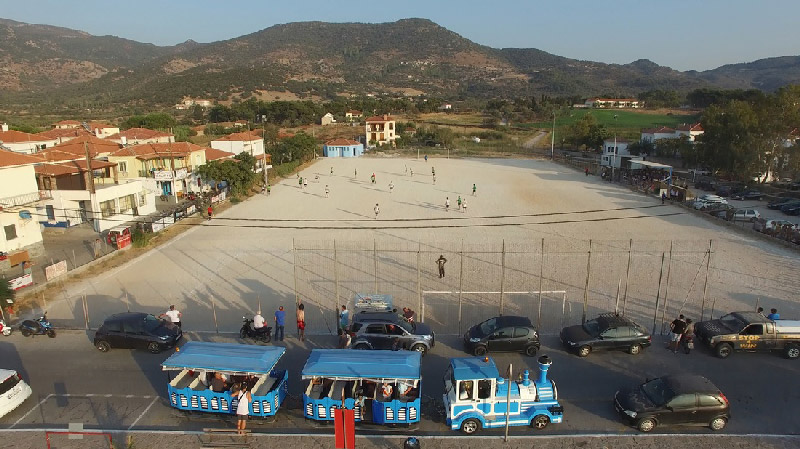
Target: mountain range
43	65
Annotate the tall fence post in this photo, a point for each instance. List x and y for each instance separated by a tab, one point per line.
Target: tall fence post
666	290
658	294
336	274
541	276
375	259
85	312
419	284
294	256
460	285
502	277
627	277
127	301
586	285
705	286
214	312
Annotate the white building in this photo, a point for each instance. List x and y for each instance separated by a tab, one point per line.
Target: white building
19	195
653	134
616	156
136	136
618	103
25	143
691	131
327	119
245	142
381	129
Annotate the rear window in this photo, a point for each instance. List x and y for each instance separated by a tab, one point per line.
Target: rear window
9	383
355	327
521	332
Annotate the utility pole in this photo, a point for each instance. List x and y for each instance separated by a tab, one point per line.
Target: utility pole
553	138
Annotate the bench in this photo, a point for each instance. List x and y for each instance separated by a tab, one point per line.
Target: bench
182	380
264	386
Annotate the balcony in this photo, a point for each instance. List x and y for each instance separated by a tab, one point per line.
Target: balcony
21	200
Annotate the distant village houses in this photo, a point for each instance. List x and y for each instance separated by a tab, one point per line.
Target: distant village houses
613	103
327	119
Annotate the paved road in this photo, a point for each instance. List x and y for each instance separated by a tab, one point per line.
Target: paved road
125	390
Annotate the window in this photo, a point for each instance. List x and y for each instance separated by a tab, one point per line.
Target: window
142	198
11	231
127	203
355	327
683	401
114	326
754	329
623	332
107	208
709	400
133	326
9	383
520	332
375	329
122	166
465	390
485	388
610	333
506	332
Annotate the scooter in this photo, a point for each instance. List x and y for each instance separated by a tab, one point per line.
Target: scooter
39	326
263	334
4	328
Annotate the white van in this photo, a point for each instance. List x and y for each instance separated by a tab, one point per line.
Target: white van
13	391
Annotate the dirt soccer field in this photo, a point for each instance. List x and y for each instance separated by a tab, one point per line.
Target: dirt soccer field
527	229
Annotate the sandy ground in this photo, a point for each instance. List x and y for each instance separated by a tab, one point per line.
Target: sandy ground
244	257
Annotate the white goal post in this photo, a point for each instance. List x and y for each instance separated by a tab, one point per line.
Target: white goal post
561	293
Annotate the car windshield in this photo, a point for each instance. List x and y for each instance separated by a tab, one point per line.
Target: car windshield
592	327
151	323
733	322
488	326
657	391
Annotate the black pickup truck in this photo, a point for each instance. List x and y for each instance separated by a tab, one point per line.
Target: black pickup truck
750	332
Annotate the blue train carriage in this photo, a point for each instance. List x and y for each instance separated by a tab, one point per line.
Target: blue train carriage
197	363
475	396
382	387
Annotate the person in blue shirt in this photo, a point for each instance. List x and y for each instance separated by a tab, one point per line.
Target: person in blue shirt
280	321
774	315
344	318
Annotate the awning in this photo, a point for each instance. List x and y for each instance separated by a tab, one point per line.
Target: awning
474	368
655	165
352	364
226	357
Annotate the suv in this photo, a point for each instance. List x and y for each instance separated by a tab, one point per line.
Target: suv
136	330
377	330
502	334
607	331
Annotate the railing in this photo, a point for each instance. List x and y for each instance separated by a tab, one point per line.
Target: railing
45	194
19	200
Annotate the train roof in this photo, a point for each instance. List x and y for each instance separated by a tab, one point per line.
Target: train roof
474	368
359	364
225	357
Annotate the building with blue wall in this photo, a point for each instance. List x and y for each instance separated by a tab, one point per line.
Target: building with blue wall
342	148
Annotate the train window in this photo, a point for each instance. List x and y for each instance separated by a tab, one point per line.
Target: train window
465	390
484	388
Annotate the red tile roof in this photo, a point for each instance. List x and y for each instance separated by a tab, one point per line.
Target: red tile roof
354	112
63	133
692	127
139	134
100	125
661	130
341	142
74	149
12	136
71	168
240	137
157	150
67	122
214	155
381	118
14	159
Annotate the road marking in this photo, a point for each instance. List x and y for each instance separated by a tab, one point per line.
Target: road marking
32	410
144	412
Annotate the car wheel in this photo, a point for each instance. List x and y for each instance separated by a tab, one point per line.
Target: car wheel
26	332
102	346
584	351
479	350
723	350
470	426
531	350
361	346
154	347
792	351
242	334
540	422
718	423
51	333
646	425
419	347
635	349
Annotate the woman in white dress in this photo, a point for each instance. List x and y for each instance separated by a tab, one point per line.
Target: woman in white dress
243	408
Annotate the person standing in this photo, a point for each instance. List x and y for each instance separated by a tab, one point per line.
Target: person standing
412	172
377	210
331	171
440	262
355	172
344	318
97	248
210	212
305	182
406	169
280	322
327	191
269	189
299	182
173	315
344	339
464	205
391	186
687	341
663	197
677	327
243	408
474	189
373	178
301	321
773	315
434	179
426	158
446	202
458	201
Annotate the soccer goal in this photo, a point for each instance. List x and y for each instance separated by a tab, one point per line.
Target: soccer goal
453	312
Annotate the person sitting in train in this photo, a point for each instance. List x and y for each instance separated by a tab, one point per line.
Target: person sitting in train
218	384
405	389
465	390
386	391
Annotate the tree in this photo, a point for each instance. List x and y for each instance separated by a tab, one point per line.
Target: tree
156	120
6	294
641	147
587	132
729	143
238	173
300	147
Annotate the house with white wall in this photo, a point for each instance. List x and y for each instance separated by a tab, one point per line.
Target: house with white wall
25	143
19	195
327	119
102	130
136	136
249	142
615	153
342	148
692	131
616	103
381	129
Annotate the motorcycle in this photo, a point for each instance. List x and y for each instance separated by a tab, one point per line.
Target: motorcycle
39	326
4	328
687	341
263	334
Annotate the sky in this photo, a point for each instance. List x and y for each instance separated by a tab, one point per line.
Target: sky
682	34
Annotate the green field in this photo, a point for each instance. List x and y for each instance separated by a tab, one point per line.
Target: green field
627	120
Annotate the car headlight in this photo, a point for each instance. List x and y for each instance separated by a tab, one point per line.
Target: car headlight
427	337
474	340
630	413
163	337
572	343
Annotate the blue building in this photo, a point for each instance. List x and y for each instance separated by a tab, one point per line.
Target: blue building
342	148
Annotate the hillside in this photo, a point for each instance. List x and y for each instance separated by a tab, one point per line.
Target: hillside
45	66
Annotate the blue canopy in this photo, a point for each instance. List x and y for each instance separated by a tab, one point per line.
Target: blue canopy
358	364
474	368
226	357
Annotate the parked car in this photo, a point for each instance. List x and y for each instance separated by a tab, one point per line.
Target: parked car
706	184
768	226
502	334
791	208
724	211
378	330
13	391
746	215
780	202
748	195
682	399
704	204
136	330
606	332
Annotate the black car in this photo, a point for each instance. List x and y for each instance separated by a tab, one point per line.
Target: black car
378	330
780	202
792	208
607	331
135	330
681	400
748	195
502	334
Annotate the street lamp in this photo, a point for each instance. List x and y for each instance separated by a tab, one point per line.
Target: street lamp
553	137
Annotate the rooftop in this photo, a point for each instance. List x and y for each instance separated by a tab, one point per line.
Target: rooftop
12	136
248	136
341	142
14	159
157	150
139	133
381	118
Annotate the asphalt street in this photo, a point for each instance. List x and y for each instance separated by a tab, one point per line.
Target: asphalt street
124	390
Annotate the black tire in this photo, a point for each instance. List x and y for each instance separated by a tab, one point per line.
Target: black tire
718	423
51	333
584	351
242	334
419	347
471	426
531	350
540	422
267	338
154	347
103	346
25	332
792	351
635	349
646	425
480	350
361	346
723	350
